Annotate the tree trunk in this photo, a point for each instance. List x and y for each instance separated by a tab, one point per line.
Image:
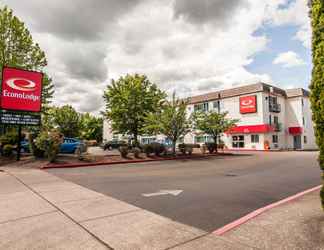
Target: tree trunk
135	144
216	144
174	142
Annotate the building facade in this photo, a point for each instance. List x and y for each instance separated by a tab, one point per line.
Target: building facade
269	118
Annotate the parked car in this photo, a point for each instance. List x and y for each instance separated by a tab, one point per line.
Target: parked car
113	145
69	146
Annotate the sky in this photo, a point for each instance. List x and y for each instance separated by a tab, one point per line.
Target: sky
188	46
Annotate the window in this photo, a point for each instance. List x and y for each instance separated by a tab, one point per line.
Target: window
238	141
305	139
216	105
275	139
201	107
255	138
270	120
302	101
275	120
304	121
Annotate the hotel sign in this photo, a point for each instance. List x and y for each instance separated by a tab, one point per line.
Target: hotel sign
21	90
248	104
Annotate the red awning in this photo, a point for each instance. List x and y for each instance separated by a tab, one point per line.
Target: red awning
295	130
262	128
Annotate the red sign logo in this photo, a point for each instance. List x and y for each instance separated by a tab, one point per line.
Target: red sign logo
248	104
21	90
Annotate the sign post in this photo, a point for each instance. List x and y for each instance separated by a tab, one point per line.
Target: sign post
20	99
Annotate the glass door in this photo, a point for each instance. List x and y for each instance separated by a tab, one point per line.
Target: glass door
238	141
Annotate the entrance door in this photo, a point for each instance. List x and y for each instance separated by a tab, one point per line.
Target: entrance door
297	142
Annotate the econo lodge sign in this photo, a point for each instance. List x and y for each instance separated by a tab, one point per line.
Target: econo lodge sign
21	90
248	104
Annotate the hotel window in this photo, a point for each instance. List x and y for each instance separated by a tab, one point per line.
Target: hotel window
201	107
275	139
304	121
305	139
238	141
255	138
270	120
216	105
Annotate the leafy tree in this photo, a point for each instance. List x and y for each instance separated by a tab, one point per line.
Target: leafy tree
17	49
65	119
213	123
128	101
91	127
171	121
317	85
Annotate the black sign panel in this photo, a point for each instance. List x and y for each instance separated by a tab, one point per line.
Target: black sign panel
19	119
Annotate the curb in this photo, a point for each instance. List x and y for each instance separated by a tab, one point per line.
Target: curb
77	165
252	215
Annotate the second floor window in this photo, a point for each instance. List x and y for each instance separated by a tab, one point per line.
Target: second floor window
201	107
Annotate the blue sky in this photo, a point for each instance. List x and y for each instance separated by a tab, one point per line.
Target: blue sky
281	39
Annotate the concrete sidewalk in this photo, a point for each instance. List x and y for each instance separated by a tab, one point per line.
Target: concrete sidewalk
41	211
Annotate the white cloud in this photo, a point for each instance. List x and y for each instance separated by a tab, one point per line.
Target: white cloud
295	13
188	46
288	59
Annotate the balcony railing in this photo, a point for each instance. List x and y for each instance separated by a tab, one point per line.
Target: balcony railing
275	107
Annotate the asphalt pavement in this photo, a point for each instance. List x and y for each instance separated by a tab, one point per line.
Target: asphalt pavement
215	190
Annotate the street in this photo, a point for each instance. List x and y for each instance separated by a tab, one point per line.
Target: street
206	193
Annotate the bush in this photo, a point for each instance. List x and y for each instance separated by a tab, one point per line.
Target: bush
158	148
38	153
187	148
154	147
7	150
49	142
211	146
147	149
9	138
123	151
136	151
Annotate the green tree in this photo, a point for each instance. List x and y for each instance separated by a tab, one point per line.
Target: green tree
128	101
317	85
17	49
170	121
212	123
91	127
65	119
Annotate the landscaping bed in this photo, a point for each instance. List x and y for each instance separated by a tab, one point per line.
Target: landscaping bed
72	161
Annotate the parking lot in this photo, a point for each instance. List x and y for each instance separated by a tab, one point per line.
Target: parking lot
206	193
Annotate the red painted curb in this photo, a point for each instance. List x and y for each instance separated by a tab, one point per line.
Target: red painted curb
259	211
77	165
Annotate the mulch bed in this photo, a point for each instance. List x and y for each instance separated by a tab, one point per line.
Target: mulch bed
72	161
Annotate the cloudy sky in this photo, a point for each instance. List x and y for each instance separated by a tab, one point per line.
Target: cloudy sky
187	46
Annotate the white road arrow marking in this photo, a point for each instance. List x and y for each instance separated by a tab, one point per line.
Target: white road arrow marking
164	192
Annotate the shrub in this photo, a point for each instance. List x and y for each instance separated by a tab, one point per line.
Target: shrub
9	138
38	153
187	148
158	148
211	146
49	142
136	151
154	147
7	150
147	149
123	151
